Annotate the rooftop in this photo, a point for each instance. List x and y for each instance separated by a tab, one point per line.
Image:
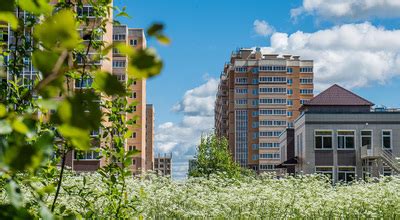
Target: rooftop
338	96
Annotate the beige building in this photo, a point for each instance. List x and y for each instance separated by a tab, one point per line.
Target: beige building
133	37
258	97
149	137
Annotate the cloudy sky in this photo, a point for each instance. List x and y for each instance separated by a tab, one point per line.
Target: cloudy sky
354	43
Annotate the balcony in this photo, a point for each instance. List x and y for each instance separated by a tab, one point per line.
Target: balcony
368	152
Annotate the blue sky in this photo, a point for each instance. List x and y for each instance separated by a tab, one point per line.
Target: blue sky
205	32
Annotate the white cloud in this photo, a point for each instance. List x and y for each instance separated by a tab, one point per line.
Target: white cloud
197	106
198	101
262	28
349	9
353	55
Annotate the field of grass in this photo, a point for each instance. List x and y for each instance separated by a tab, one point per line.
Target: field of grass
261	198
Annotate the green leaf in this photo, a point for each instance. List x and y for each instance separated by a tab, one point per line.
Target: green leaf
7	5
44	61
59	32
123	14
81	111
10	212
105	82
78	137
142	63
19	126
10	18
3	110
156	30
36	6
164	40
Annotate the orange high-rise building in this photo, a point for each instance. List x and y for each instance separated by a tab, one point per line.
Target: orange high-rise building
112	62
259	96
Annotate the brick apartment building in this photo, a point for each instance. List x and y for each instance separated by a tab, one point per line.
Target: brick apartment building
259	96
339	134
114	63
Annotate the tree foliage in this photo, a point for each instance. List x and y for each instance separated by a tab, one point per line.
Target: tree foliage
43	117
213	157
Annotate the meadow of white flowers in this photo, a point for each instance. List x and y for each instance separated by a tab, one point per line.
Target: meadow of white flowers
261	198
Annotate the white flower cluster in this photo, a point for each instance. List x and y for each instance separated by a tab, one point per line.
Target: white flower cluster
265	197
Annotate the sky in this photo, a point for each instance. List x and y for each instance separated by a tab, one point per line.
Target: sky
354	43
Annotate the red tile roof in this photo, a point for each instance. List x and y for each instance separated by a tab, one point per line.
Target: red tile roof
338	96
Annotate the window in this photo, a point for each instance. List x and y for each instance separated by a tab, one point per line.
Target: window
255	92
118	63
132	148
306	91
255	124
119	37
306	81
272	123
254	146
289	102
272	111
86	10
290	91
289	70
366	139
133	95
255	81
306	69
255	157
94	133
303	101
387	139
86	155
120	77
270	156
91	58
323	139
272	90
254	70
241	69
133	42
133	135
327	171
241	91
267	166
85	83
345	139
289	113
241	101
254	102
273	68
269	145
270	133
290	81
254	113
272	101
241	80
346	174
270	79
255	135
